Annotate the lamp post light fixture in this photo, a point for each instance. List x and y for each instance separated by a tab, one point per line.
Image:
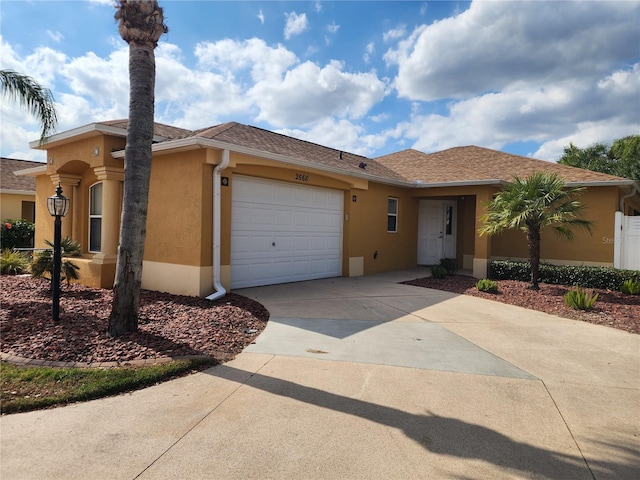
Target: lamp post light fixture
58	206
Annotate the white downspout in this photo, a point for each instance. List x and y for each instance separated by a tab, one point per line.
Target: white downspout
220	290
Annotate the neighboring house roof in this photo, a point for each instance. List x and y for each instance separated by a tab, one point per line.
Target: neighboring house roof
478	164
10	183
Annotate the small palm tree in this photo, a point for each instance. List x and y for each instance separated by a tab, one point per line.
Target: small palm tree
532	204
31	94
42	265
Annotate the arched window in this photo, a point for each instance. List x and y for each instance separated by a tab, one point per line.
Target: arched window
95	218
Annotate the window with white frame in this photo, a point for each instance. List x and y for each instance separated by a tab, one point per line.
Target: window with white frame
95	218
392	215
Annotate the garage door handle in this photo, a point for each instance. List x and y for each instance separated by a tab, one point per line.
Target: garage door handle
273	244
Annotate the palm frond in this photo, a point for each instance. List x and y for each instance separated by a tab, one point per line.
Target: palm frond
31	94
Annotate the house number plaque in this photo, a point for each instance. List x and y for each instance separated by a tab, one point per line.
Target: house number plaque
302	178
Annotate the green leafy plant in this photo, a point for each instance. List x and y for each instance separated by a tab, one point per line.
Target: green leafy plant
438	271
486	285
42	265
13	263
16	234
579	299
630	287
604	278
451	264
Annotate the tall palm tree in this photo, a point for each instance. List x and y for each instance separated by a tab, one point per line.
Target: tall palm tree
141	24
531	204
31	94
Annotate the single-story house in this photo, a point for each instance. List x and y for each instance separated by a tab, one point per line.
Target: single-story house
17	193
237	206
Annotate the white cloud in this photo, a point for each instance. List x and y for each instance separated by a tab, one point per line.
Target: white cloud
309	92
342	135
394	33
494	45
232	56
296	24
551	116
368	51
55	36
333	28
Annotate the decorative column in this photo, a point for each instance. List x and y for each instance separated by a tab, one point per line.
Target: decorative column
111	178
482	244
68	182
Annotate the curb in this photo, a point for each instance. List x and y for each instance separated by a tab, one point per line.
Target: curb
37	362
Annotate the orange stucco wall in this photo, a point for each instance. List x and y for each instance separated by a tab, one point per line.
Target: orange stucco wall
367	229
600	205
178	227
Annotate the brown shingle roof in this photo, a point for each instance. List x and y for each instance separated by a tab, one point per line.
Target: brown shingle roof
458	164
9	181
267	141
473	163
160	129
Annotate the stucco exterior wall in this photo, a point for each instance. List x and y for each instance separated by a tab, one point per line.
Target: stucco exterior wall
11	205
597	248
176	226
367	235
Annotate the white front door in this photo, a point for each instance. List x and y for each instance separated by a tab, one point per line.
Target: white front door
436	231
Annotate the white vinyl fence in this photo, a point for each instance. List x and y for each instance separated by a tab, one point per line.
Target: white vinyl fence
626	247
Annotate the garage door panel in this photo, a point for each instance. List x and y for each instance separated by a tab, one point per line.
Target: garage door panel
284	232
284	218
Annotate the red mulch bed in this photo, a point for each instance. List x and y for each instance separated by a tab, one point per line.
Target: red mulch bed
613	309
169	325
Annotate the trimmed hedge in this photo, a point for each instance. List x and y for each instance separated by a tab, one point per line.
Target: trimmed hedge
585	276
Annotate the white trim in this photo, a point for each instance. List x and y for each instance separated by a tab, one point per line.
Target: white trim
395	215
601	183
617	242
92	216
29	193
85	131
460	183
31	172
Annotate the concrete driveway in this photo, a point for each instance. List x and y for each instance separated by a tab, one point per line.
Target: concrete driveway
361	379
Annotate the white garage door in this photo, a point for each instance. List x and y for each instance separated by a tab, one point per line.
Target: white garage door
283	232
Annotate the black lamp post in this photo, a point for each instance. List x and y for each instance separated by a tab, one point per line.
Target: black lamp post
58	206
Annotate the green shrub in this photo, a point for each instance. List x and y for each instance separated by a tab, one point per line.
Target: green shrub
13	263
451	265
42	265
16	234
605	278
579	299
438	271
630	287
486	285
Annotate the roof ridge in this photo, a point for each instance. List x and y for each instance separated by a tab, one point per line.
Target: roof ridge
289	137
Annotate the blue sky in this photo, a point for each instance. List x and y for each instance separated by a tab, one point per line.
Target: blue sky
366	77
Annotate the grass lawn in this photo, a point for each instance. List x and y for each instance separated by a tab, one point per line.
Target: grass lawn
32	388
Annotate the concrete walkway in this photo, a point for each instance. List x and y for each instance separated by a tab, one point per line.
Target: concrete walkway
362	379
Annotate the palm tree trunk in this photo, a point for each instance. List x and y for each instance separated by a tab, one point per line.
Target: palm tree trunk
137	164
533	237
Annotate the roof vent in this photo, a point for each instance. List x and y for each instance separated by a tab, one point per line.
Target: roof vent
363	165
340	154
